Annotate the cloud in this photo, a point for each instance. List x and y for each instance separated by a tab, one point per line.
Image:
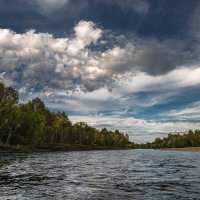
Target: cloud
85	34
38	58
131	96
191	112
139	6
49	6
139	130
193	22
36	61
176	79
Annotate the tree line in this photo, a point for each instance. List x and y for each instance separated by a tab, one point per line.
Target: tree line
189	139
32	123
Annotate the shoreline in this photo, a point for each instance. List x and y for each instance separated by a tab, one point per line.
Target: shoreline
186	149
56	148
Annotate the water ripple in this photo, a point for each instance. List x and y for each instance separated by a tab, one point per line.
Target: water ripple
96	175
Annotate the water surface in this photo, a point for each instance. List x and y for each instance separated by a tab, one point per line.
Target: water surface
100	175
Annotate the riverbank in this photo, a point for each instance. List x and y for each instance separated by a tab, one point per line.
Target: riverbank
56	147
189	149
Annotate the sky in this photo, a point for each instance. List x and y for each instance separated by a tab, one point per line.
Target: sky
131	65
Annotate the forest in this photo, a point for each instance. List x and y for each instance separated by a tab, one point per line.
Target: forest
33	125
190	139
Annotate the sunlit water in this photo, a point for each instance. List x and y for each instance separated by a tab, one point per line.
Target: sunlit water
106	175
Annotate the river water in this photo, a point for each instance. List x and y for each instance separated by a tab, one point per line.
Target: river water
100	175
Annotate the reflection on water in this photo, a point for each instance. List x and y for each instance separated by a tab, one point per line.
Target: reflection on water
95	175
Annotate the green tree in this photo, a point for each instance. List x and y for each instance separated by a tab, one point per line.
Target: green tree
8	113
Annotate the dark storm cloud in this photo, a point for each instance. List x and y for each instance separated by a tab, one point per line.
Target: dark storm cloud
157	57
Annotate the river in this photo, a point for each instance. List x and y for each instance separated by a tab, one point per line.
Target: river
100	175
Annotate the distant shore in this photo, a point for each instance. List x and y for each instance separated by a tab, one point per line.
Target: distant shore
188	149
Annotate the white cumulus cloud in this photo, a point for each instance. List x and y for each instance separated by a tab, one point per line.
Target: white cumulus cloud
39	60
139	130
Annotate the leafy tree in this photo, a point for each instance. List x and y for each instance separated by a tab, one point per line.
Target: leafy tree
191	139
8	113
